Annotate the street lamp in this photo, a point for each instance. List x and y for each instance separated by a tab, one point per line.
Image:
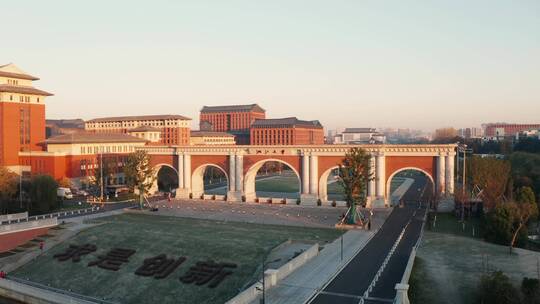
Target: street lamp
264	264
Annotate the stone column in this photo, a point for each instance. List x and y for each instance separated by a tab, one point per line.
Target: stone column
232	172
305	174
181	171
239	173
313	175
440	174
449	178
380	175
371	183
187	172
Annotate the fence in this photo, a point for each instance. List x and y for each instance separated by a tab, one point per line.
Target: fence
27	225
49	215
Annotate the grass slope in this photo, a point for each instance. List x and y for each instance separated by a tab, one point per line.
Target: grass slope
198	240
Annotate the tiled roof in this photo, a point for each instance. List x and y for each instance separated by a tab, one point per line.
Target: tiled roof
23	90
232	108
16	75
142	117
210	134
288	121
359	130
80	138
145	129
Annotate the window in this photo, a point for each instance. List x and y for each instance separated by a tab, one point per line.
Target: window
83	150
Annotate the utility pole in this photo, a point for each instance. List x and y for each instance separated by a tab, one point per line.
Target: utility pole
101	170
20	188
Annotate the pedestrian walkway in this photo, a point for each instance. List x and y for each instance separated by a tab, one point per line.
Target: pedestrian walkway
312	276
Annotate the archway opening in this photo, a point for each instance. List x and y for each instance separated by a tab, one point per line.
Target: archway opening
209	179
272	179
167	179
410	186
329	187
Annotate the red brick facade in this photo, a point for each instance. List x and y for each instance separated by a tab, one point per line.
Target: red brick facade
287	136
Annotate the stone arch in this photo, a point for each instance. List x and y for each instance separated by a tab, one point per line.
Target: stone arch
323	183
158	167
197	179
387	184
251	173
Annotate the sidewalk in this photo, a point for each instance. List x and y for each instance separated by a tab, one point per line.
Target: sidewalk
302	284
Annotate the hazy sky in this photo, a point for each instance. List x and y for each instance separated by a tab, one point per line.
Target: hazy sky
417	64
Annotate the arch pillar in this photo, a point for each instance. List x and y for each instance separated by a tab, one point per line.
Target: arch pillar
371	194
310	179
441	174
184	176
236	176
449	173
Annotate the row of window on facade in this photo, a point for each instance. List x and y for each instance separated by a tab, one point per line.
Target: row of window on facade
106	149
22	98
133	124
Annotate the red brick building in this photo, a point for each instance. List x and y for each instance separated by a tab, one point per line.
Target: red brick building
234	119
76	156
22	115
175	129
286	131
501	130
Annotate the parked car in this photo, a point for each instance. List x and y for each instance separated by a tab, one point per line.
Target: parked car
64	193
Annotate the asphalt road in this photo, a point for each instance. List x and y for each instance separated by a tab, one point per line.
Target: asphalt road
351	283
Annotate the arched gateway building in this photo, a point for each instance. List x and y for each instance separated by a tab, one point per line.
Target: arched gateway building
311	164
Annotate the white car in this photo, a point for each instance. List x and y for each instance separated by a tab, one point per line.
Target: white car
64	193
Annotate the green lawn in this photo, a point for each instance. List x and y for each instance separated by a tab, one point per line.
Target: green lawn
451	266
448	223
198	240
285	183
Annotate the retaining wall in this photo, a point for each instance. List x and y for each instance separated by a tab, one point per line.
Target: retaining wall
13	216
273	276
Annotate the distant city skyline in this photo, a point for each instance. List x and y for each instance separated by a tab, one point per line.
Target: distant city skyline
415	64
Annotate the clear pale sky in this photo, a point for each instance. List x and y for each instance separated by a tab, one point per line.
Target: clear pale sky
416	64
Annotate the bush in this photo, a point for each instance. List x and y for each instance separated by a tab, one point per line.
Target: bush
495	288
531	291
334	203
319	202
298	201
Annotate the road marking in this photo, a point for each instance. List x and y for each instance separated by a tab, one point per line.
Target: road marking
379	300
337	294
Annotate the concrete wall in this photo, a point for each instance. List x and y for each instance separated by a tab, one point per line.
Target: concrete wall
273	276
33	295
13	216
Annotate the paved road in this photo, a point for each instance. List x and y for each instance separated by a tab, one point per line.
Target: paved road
351	283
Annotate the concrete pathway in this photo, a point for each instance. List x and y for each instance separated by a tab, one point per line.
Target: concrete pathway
302	284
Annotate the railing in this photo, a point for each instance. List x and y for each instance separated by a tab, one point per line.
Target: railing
402	287
59	291
51	215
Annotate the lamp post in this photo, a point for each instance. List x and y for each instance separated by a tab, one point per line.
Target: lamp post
264	264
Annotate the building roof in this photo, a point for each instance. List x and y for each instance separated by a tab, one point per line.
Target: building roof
210	134
11	71
287	121
142	117
82	138
22	90
359	130
145	129
233	108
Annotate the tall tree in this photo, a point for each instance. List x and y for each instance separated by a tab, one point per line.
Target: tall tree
354	174
9	184
106	172
43	193
523	210
140	175
491	176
